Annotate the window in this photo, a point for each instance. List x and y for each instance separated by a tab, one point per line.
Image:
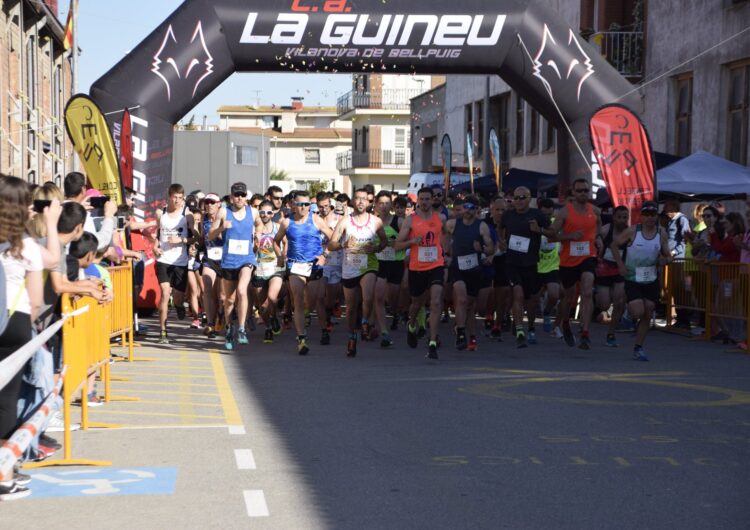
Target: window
480	129
737	118
312	156
365	131
683	119
550	138
400	139
520	124
245	156
534	131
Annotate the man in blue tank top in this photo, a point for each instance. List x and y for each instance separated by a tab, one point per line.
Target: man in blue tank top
305	260
237	224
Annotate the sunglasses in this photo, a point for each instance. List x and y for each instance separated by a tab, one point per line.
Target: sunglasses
209	203
303	204
265	212
707	216
239	195
582	190
469	206
520	197
278	198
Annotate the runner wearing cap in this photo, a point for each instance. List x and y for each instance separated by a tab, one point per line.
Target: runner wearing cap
422	233
211	272
647	248
610	285
470	243
269	274
305	261
577	227
237	224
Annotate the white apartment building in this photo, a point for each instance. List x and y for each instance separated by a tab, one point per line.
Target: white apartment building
378	108
303	142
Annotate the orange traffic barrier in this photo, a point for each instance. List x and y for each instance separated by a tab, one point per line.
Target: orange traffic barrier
121	311
687	288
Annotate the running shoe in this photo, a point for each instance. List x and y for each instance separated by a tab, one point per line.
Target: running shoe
211	333
489	323
570	339
229	340
585	342
445	317
521	341
394	322
195	324
386	341
547	326
496	334
11	491
204	320
163	338
366	331
461	342
180	312
557	333
611	340
287	320
532	337
219	327
411	336
21	479
639	354
275	325
472	343
242	336
268	336
351	348
325	338
302	348
432	350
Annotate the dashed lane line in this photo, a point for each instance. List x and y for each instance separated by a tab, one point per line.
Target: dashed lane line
255	502
245	459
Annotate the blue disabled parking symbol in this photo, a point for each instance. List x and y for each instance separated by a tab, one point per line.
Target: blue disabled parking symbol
103	482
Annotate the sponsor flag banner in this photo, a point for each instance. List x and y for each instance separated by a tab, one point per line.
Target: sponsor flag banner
470	156
88	130
447	154
623	152
495	153
126	151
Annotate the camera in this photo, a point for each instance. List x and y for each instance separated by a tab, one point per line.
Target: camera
40	205
121	221
98	202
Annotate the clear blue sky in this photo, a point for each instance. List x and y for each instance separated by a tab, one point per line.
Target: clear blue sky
107	30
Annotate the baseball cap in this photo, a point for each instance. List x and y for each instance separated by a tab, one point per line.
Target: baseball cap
238	187
212	197
93	192
650	206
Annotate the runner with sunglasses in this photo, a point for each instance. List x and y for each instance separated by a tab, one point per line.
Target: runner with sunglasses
578	227
610	285
211	272
361	236
269	275
305	261
331	281
237	224
647	249
470	243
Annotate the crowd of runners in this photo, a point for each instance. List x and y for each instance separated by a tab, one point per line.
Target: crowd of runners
243	261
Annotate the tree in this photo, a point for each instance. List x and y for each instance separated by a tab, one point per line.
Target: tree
279	174
316	187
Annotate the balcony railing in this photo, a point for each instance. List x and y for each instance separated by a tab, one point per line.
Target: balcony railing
374	159
623	49
385	99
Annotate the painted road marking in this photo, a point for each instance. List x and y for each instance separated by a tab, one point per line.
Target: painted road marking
245	459
238	430
231	412
255	501
104	482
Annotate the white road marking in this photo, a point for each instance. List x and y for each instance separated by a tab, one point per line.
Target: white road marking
255	501
244	458
237	429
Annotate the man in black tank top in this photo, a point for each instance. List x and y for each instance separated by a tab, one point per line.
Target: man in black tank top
470	243
610	285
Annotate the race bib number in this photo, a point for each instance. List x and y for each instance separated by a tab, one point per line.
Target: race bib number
645	274
608	255
300	268
239	247
333	259
466	263
427	254
215	253
356	261
580	248
266	268
519	244
387	254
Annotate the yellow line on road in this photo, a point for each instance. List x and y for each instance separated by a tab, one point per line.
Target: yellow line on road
180	403
166	414
231	412
181	375
165	392
171	368
165	383
186	409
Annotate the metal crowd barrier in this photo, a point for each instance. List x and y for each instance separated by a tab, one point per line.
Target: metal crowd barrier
121	311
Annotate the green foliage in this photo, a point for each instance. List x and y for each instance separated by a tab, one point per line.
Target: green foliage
316	187
279	174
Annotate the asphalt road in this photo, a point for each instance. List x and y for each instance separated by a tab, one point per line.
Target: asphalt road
547	437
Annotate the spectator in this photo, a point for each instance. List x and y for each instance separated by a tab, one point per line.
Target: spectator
678	226
728	244
75	190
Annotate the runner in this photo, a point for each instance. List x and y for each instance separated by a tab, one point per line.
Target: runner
305	260
548	268
213	293
171	250
422	234
500	282
331	282
648	247
360	235
577	226
390	268
471	242
610	285
276	196
269	275
521	232
237	224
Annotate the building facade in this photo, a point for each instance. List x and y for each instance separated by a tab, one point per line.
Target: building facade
379	110
35	85
304	142
696	94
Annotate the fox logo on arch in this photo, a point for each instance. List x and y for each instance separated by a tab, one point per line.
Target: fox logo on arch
198	66
557	62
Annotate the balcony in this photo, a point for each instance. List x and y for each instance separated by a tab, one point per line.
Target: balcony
623	49
374	159
385	99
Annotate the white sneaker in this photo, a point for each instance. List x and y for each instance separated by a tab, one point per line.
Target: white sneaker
57	423
557	333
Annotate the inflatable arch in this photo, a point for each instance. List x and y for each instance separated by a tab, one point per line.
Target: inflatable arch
204	41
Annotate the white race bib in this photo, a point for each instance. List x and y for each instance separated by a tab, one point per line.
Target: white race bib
519	244
645	274
608	256
266	269
466	263
215	253
355	261
387	254
239	247
300	268
427	254
580	248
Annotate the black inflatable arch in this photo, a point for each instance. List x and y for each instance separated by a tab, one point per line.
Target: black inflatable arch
204	41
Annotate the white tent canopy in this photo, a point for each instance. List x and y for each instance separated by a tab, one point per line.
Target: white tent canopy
704	174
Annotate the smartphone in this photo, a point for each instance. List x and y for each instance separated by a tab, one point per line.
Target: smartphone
121	223
40	205
98	202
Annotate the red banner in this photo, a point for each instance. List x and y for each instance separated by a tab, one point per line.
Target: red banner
623	152
126	151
